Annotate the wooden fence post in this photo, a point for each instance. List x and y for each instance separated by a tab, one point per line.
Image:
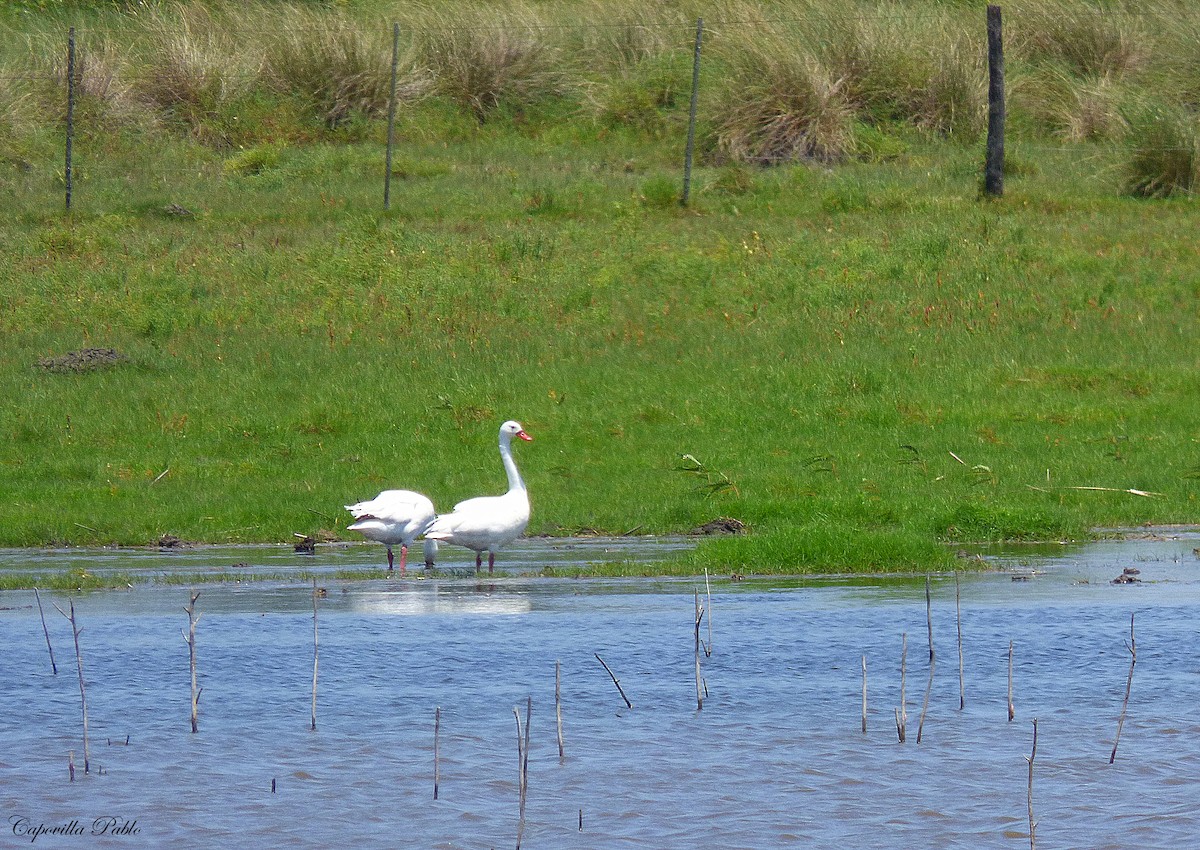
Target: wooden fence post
70	110
391	120
691	135
993	175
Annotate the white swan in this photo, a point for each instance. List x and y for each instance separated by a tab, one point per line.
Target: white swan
487	523
396	516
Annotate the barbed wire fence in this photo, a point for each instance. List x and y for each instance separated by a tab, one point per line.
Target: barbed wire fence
690	49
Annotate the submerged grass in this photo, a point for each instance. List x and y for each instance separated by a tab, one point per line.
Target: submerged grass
861	362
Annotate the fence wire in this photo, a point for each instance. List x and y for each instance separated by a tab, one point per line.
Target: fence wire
680	34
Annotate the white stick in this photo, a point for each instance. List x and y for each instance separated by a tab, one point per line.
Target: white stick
316	655
558	705
864	707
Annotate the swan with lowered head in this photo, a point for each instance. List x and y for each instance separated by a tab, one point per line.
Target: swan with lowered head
487	523
396	517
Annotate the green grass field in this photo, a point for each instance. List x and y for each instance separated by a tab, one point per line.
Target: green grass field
862	361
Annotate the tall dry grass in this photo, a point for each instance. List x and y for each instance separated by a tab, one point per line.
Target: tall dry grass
777	109
922	70
1165	154
1089	39
797	80
191	63
484	57
338	65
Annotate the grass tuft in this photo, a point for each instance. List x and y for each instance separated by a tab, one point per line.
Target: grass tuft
338	66
777	108
485	58
1165	158
194	67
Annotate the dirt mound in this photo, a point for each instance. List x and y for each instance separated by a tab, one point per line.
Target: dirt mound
720	525
84	360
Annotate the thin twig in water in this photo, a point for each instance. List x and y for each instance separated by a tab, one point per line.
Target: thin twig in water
1032	823
902	711
522	766
558	705
614	678
190	639
1132	647
708	592
1011	711
864	706
437	752
928	687
46	631
699	687
962	692
87	752
316	655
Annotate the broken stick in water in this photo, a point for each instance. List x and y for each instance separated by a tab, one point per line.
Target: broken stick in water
928	687
558	705
614	678
437	753
962	693
190	640
522	765
1032	823
87	753
1132	647
45	630
902	711
316	655
864	707
699	686
708	593
1011	712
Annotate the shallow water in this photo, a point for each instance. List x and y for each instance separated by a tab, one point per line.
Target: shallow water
775	758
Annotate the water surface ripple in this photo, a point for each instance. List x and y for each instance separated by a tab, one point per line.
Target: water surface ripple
776	757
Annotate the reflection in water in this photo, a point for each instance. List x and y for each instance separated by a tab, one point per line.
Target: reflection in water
482	601
775	758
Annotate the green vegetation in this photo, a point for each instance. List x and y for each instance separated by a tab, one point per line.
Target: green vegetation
838	342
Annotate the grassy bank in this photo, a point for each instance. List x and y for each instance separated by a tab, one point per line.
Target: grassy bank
859	359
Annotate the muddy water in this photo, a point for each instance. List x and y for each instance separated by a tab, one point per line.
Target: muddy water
775	758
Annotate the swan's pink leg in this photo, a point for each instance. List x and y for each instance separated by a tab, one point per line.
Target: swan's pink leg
478	561
403	557
389	558
491	561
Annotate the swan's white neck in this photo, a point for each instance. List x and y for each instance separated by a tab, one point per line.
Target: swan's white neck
510	467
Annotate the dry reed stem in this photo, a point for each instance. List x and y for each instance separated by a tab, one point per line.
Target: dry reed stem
614	678
45	630
902	711
1032	756
558	706
82	692
1011	711
190	639
699	687
864	694
708	650
962	691
1132	647
929	686
316	655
